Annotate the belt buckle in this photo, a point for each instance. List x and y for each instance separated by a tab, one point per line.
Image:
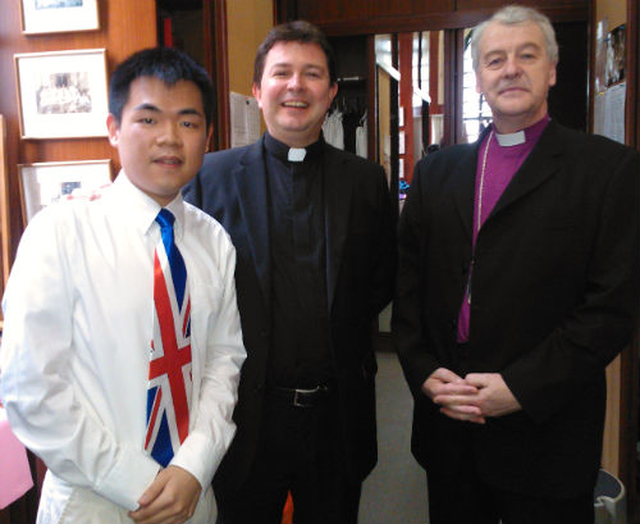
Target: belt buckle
298	398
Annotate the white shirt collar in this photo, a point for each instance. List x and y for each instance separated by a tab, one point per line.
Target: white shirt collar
141	209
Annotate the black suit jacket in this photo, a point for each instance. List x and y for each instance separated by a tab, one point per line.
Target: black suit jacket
360	267
555	294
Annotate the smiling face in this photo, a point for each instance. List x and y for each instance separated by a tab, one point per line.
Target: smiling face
515	74
295	92
162	136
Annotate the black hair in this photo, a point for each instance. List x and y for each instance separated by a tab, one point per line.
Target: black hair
297	31
163	63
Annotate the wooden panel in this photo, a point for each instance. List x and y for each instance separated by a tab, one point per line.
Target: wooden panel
611	438
463	5
433	6
392	7
431	22
356	17
332	10
125	27
359	10
628	463
222	134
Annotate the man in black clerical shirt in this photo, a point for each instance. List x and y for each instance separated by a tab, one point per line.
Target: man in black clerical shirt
314	231
300	355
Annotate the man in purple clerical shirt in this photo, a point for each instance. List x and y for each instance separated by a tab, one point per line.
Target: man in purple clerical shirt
518	283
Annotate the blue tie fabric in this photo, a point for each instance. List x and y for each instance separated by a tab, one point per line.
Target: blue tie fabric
178	272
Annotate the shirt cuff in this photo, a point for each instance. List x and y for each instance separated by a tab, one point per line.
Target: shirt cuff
131	475
199	456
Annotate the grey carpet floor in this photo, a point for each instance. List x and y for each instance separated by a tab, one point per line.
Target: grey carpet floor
395	492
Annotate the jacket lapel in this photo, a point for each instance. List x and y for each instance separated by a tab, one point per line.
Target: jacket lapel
543	161
463	180
251	184
337	203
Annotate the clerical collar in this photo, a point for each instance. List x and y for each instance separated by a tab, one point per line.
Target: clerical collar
292	154
296	154
524	135
511	139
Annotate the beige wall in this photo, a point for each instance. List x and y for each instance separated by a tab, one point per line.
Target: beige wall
248	22
614	10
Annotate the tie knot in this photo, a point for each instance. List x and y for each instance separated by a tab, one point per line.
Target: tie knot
165	218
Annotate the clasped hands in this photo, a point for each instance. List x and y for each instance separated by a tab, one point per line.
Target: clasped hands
472	398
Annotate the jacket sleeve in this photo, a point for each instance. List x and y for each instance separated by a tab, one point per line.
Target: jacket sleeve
603	321
408	307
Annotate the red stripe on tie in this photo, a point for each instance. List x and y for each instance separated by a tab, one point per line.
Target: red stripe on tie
174	357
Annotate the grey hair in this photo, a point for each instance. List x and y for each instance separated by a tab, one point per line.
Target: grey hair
515	15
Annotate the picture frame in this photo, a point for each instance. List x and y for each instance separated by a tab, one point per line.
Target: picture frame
45	183
62	94
58	16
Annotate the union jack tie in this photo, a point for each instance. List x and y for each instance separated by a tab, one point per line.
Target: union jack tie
169	389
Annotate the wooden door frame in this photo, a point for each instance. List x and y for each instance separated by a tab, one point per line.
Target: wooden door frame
216	58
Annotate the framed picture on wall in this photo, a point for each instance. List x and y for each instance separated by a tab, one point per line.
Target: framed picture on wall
57	16
46	183
62	94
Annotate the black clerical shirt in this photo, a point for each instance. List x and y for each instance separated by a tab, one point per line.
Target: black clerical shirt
299	355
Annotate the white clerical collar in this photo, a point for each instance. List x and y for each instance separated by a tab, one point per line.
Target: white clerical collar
296	154
511	139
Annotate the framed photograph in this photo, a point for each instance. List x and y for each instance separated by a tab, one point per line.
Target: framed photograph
45	183
62	94
58	16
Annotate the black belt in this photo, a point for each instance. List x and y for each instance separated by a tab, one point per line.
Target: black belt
301	398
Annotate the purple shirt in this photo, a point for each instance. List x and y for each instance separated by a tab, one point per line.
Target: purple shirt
496	167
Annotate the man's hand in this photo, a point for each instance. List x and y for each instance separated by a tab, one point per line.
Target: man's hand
454	395
171	498
494	398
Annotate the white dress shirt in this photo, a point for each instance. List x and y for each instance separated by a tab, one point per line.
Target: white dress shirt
75	350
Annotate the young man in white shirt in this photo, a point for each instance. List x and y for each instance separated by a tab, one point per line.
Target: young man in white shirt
84	330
